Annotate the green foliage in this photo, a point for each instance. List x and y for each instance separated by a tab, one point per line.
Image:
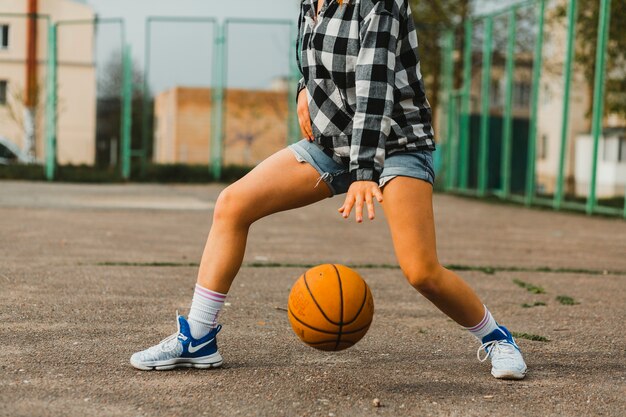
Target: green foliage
566	300
22	172
432	18
586	40
535	304
529	287
530	336
174	173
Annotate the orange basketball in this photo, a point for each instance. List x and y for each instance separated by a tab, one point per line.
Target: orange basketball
330	307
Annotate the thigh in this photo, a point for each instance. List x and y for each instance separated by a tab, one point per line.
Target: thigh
407	203
277	184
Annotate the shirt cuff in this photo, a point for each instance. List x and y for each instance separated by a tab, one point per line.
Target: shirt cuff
301	86
365	174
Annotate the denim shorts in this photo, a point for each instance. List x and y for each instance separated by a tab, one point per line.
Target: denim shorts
414	163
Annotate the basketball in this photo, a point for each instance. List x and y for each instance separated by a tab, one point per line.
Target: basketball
330	307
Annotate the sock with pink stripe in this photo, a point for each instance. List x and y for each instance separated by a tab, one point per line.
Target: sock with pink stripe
485	327
205	308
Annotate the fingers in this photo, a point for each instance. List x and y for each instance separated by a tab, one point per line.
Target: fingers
370	206
305	125
359	208
360	195
304	118
378	194
309	130
347	206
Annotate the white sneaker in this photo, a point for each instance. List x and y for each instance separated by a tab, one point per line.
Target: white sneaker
180	350
506	359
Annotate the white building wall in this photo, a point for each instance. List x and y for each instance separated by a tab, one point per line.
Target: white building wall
76	79
611	169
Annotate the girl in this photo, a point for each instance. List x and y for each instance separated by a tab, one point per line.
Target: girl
367	127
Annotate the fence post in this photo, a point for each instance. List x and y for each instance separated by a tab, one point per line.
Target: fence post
598	96
466	106
507	125
51	104
572	15
145	97
448	86
217	105
483	146
534	111
127	109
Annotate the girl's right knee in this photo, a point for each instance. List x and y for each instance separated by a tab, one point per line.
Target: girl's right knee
232	206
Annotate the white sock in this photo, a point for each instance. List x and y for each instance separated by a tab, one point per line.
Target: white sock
205	308
486	326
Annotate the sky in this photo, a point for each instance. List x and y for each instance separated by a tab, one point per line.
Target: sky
181	53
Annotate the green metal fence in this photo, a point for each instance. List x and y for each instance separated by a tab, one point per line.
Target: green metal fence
219	80
141	151
55	29
468	165
481	154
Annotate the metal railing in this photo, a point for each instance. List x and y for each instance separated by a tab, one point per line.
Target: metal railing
457	109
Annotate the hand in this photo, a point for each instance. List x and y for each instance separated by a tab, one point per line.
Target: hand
304	117
359	192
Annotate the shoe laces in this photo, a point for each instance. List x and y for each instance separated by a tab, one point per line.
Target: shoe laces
499	346
170	342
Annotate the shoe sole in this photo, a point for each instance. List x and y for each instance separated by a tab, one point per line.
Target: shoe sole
509	374
205	362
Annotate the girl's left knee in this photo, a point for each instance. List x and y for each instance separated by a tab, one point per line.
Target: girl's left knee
424	276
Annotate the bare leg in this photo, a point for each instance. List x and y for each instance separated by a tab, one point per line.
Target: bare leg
408	208
277	184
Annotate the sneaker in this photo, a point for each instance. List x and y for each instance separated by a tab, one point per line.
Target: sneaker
506	359
180	350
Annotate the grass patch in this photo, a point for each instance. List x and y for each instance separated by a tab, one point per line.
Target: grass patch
566	300
531	288
535	304
147	264
529	336
490	270
159	173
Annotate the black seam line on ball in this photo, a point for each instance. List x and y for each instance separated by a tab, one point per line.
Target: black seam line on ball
340	307
325	331
316	303
360	308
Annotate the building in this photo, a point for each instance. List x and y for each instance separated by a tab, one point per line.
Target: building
76	78
255	125
611	178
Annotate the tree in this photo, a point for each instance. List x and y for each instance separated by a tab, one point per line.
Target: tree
432	18
110	107
586	39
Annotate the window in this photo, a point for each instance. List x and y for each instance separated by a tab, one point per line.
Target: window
6	153
3	92
4	36
521	94
497	100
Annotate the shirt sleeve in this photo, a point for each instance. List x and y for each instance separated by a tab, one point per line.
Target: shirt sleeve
375	79
301	81
301	86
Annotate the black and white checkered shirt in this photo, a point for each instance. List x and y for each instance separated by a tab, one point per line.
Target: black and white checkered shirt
361	70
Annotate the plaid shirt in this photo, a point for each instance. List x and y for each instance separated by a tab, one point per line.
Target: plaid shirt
361	70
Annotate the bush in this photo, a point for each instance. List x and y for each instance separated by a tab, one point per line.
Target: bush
155	173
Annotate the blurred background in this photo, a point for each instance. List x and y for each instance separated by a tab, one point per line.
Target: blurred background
529	97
